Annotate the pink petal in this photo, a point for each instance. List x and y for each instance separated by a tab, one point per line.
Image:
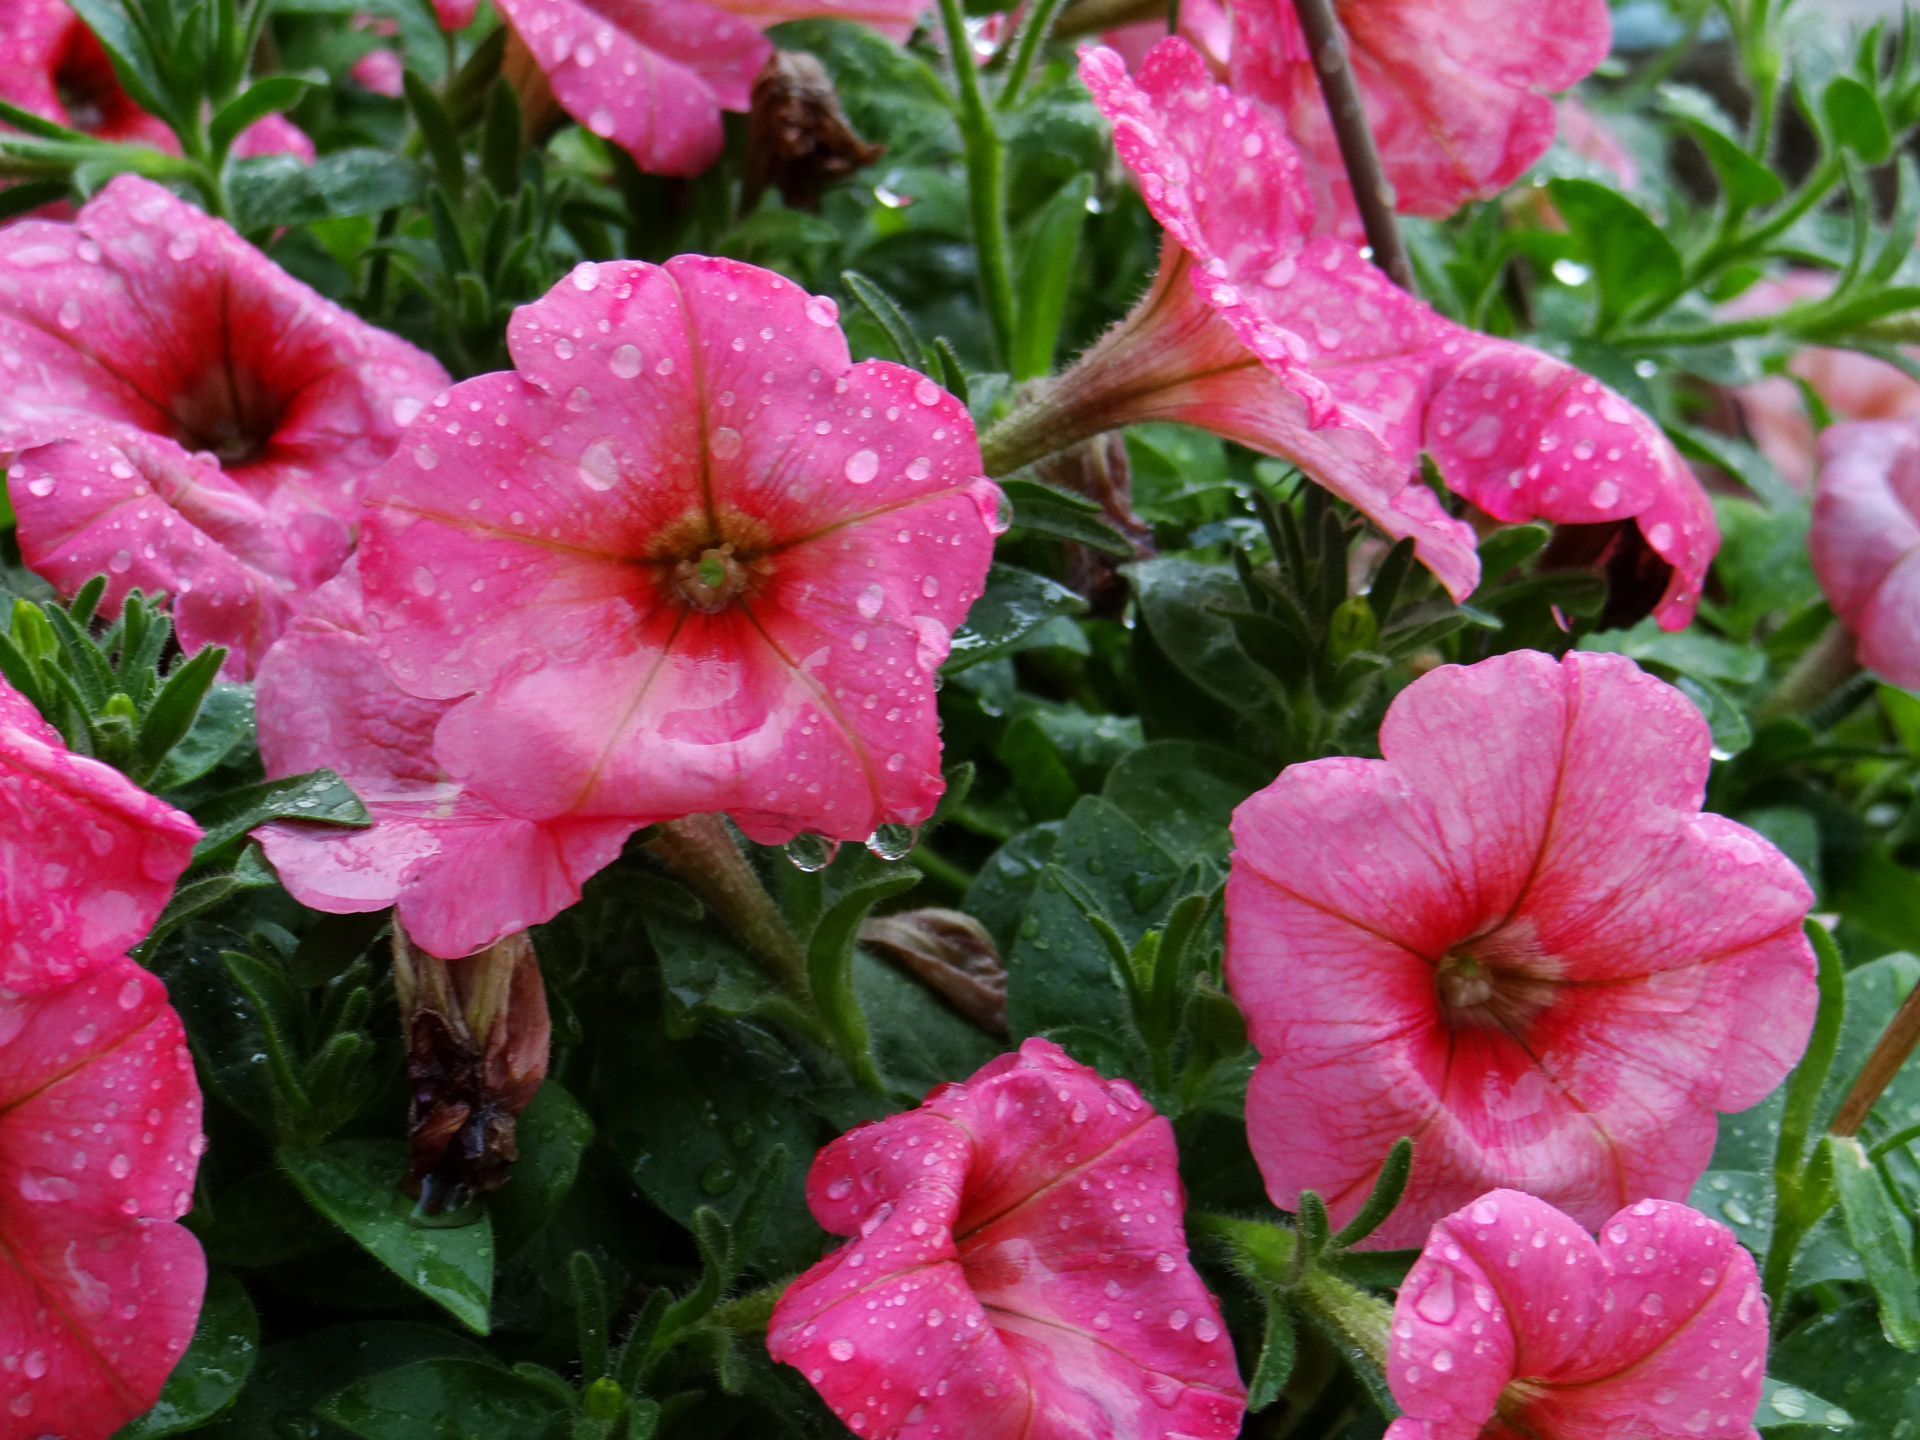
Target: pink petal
53	60
381	70
895	19
1453	90
1657	1329
1865	537
455	14
657	410
99	1142
1526	436
1204	24
652	76
1022	1235
1541	819
274	135
462	873
90	858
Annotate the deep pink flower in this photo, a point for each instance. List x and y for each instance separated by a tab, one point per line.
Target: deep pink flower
1865	541
1455	90
1514	1323
1017	1270
686	559
1517	940
463	874
55	69
99	1142
1295	345
218	417
1204	24
87	858
455	14
380	71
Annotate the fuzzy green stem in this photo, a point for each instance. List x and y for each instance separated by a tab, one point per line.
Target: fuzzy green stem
986	179
1363	1321
1827	664
1033	35
702	855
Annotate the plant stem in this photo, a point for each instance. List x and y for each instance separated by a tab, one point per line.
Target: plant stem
986	180
1827	663
1371	192
701	853
1360	1319
1033	34
1895	1045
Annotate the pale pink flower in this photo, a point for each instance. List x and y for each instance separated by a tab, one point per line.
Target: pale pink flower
1516	939
1588	136
1455	91
1204	24
88	858
652	76
1515	1322
1865	541
218	417
1297	346
380	71
687	558
99	1141
1852	386
462	874
1017	1270
55	69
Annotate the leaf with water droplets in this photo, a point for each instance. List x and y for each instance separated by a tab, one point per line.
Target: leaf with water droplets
1016	603
445	1400
211	1373
320	796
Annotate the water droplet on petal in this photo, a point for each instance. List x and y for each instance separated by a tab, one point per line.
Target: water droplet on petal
725	443
862	466
893	842
840	1349
625	361
810	852
927	393
822	311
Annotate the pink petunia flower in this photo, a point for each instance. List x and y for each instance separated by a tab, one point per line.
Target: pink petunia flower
687	558
462	874
189	417
1587	135
1516	939
1017	1269
87	858
1204	24
1297	346
99	1142
652	76
54	68
1455	91
1516	1322
380	71
1865	541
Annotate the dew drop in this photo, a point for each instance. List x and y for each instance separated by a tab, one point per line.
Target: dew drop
183	246
625	361
1437	1303
822	311
870	601
927	393
725	443
893	842
69	316
810	852
862	466
840	1349
599	466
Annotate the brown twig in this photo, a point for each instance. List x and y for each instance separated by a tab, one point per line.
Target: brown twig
1327	43
1896	1044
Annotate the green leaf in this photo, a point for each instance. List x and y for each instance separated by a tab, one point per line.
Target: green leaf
1855	119
1883	1238
294	1375
133	62
1042	781
552	1135
1783	1406
356	1184
1184	794
170	718
436	128
1844	1357
918	1040
1631	255
1064	515
1746	183
1046	271
1275	1365
260	99
500	142
319	796
830	962
225	1344
224	720
272	190
889	316
1016	603
1182	602
446	1400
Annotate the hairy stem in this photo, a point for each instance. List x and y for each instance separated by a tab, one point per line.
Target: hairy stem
986	179
1828	663
1033	34
1895	1045
702	855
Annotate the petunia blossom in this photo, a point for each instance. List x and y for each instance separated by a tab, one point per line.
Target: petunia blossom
190	418
1017	1269
380	70
99	1142
1455	91
652	76
1204	24
87	858
1516	939
1516	1322
56	69
686	558
1865	541
1295	345
462	874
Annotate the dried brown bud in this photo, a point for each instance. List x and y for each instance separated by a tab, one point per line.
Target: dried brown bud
477	1037
1100	470
798	138
950	952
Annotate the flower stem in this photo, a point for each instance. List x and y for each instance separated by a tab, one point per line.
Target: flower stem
1828	662
701	853
1361	1320
1895	1045
986	179
1033	34
1371	192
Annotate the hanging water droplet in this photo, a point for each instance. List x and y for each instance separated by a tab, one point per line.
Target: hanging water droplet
893	842
810	852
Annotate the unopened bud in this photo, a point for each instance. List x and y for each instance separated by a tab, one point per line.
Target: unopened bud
953	954
477	1037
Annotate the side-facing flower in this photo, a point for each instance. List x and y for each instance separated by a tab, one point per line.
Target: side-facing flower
1456	91
1297	346
687	558
1017	1268
462	874
1865	541
1204	24
190	418
1517	939
1515	1322
99	1141
87	858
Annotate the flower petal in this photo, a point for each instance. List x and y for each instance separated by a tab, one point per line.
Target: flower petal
1864	539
